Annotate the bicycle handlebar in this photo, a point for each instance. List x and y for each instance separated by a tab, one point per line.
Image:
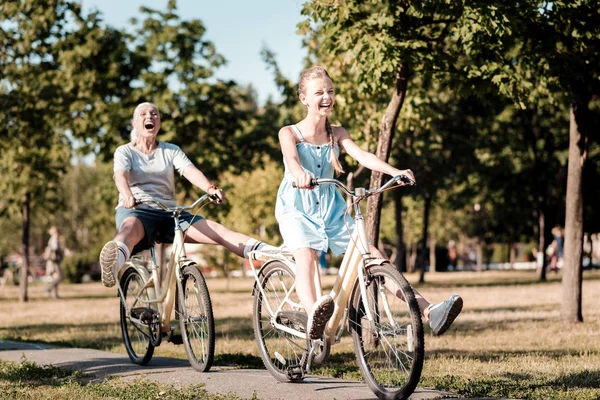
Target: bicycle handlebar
202	199
324	181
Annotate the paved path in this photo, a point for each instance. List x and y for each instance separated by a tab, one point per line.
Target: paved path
244	383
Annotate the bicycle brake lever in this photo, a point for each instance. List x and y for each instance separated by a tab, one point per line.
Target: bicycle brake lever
215	198
407	181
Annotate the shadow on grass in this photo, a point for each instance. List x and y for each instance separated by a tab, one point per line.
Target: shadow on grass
481	280
236	327
101	341
536	307
582	379
60	301
499	356
461	328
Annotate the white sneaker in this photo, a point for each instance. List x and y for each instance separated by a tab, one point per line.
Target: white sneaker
318	317
442	315
108	261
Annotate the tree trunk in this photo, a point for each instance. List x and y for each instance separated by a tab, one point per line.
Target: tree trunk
541	246
384	144
422	249
412	258
24	250
479	254
400	246
432	244
513	255
573	248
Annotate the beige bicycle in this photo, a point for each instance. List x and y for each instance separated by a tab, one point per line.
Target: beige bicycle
372	299
150	294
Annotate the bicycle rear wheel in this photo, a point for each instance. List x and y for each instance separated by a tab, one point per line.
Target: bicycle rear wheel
136	334
283	353
390	352
194	310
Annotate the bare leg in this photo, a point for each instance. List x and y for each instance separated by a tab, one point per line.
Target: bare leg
423	304
211	232
305	270
130	232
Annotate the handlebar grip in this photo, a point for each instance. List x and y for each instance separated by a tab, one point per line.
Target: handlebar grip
215	198
406	180
313	183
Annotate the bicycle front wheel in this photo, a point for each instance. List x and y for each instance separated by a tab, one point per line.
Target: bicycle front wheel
390	350
283	353
136	333
194	310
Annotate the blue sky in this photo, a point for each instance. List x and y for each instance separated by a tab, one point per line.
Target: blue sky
238	28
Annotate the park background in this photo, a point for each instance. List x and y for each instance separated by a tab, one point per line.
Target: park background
494	107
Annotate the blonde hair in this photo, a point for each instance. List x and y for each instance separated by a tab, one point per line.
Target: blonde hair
314	72
133	135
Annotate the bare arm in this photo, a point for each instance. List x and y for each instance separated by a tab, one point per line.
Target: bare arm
198	179
122	182
367	159
287	140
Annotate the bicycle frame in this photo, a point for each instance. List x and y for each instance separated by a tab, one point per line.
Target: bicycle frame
350	273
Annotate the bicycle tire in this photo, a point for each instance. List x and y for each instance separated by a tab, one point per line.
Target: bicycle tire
136	336
283	354
194	310
391	356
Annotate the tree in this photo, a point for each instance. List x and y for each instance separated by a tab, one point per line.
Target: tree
551	50
34	150
380	43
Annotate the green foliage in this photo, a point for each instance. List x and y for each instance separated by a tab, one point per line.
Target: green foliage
89	197
250	206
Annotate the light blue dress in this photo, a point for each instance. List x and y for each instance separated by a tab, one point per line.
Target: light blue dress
313	218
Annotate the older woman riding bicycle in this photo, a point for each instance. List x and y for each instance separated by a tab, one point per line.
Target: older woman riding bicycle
145	168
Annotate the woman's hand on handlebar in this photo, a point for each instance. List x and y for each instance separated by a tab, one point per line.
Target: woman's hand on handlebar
216	193
129	202
408	174
304	181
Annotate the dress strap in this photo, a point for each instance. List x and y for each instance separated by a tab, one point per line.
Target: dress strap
298	133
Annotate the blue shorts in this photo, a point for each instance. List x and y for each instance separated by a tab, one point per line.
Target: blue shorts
158	224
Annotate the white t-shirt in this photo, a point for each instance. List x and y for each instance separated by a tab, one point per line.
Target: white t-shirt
151	176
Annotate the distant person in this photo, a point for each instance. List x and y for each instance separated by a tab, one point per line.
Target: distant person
452	255
559	238
312	219
145	168
54	254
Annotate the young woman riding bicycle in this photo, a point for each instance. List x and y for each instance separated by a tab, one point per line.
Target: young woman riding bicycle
312	219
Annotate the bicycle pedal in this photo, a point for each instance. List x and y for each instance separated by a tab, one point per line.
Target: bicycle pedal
295	372
175	339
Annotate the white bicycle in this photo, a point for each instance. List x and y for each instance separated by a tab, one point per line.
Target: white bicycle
150	293
372	299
